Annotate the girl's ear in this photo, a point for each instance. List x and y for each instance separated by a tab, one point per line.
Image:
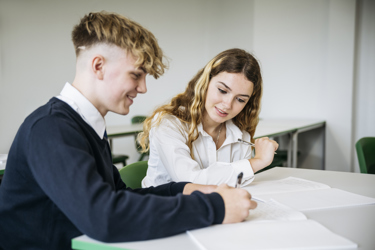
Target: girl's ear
97	66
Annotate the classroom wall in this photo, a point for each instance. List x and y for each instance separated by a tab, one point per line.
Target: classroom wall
306	49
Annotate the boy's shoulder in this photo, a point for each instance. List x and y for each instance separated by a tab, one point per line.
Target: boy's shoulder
54	109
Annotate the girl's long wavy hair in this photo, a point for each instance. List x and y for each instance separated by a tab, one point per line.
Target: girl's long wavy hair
189	106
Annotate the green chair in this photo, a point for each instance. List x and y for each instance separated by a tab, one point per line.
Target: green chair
134	120
133	174
365	148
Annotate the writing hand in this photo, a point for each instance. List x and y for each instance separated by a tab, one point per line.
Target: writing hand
237	203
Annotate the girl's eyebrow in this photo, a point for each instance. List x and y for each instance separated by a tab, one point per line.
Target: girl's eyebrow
226	86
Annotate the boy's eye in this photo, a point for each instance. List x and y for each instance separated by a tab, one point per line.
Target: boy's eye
222	91
135	76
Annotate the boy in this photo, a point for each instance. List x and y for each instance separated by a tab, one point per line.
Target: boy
60	181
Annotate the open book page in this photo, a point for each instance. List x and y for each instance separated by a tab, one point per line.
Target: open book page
299	234
290	184
273	210
319	199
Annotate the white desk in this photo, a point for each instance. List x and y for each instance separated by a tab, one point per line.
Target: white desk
355	223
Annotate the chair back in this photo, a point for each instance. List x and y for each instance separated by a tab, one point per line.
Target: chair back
133	174
138	119
365	148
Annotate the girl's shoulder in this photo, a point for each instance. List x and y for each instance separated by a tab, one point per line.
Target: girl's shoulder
169	121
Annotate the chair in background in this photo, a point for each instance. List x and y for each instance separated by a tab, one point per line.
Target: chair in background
365	148
119	159
134	120
116	158
133	174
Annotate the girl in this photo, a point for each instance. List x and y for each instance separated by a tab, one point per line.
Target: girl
194	138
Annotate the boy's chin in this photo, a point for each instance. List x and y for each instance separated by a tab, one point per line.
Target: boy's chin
121	112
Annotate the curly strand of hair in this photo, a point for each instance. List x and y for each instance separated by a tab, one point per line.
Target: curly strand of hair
125	33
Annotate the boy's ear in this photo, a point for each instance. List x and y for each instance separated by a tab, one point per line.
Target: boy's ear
98	66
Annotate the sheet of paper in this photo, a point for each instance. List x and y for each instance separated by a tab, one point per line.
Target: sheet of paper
319	199
273	210
290	184
300	234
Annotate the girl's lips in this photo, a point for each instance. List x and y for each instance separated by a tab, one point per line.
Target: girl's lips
220	112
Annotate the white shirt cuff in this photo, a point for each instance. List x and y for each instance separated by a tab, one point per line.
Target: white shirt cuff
244	167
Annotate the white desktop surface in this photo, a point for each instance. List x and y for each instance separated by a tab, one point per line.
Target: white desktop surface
273	127
354	223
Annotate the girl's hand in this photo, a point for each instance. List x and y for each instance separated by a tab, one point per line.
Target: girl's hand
264	153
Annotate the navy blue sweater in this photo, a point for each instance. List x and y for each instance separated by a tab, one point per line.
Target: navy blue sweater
60	183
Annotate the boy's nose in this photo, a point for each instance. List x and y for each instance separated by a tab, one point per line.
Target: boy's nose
142	88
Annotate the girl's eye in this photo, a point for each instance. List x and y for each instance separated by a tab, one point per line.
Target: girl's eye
240	100
222	91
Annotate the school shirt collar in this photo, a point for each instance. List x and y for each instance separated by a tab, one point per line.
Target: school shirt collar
84	108
232	132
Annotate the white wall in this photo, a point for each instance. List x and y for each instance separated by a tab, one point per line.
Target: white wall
306	49
307	53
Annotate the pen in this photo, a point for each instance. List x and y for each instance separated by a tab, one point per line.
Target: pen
251	144
239	180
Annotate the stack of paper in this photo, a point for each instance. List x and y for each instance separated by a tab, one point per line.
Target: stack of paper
305	195
277	222
299	234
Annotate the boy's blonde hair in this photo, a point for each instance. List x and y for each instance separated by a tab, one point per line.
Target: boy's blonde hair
114	29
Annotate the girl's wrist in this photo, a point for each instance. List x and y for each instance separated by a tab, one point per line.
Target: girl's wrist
257	164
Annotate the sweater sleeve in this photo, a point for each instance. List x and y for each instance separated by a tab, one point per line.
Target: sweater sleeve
62	162
168	189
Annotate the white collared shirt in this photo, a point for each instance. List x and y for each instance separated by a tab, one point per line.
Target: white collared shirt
83	107
170	158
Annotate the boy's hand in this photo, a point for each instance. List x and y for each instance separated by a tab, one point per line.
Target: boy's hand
237	203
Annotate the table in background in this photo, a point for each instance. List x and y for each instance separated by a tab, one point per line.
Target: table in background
3	160
265	128
291	127
123	130
2	170
355	223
